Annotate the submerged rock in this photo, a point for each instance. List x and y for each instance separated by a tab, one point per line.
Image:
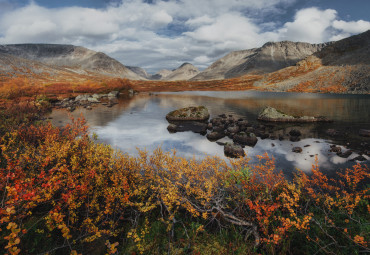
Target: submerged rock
294	139
271	114
336	149
193	126
332	132
295	132
344	154
198	113
297	149
360	158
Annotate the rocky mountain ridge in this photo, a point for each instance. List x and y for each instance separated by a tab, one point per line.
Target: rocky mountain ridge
340	67
271	57
71	58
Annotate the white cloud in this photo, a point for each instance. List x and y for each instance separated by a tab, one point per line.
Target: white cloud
351	26
166	33
198	21
309	25
202	59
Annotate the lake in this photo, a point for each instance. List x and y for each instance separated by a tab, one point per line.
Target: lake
139	122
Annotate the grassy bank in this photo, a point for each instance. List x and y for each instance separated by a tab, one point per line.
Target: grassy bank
62	193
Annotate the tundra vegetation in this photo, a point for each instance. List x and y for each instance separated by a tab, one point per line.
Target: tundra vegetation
61	192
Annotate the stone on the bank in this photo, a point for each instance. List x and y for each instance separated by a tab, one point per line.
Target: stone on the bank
93	100
297	149
97	96
113	94
84	97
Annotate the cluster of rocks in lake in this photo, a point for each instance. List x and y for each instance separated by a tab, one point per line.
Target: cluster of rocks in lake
243	133
88	101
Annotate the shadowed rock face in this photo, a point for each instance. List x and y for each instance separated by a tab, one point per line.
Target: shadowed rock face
270	57
353	50
78	59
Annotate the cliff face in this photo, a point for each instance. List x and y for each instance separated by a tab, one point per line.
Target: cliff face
270	57
72	58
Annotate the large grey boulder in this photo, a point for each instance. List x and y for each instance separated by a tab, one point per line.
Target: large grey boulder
113	94
274	115
84	97
193	113
93	100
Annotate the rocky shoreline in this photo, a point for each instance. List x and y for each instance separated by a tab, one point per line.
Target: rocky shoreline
87	101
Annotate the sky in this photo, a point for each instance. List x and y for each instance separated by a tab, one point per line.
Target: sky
163	34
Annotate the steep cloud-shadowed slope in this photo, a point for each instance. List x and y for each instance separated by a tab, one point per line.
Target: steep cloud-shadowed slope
353	50
341	67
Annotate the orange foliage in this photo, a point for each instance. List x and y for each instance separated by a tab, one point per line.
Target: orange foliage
83	191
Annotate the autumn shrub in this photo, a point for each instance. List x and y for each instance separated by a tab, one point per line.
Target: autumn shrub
62	192
18	87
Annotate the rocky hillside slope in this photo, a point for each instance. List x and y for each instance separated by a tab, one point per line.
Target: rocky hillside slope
271	57
184	72
341	67
139	71
71	58
162	74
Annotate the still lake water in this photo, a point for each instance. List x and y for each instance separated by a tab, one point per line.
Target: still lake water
139	122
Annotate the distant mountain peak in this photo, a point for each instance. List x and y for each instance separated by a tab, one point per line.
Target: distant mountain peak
184	72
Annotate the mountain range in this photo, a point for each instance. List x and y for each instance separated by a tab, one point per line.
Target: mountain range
55	60
283	66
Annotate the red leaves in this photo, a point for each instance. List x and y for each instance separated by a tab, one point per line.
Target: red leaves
90	190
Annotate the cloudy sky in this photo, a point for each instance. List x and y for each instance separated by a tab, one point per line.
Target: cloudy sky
157	34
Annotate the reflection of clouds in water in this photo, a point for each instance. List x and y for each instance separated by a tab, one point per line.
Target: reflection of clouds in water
132	131
140	123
